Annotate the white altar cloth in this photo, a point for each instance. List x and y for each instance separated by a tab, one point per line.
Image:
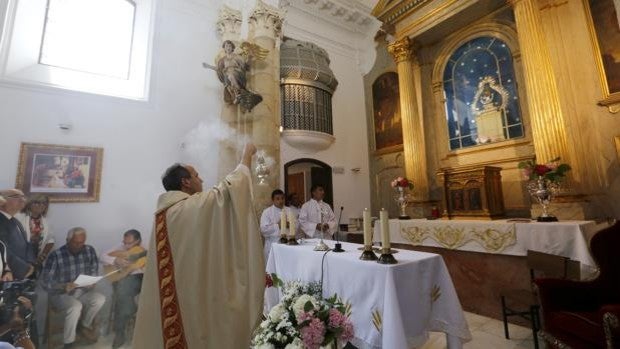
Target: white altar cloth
567	238
409	299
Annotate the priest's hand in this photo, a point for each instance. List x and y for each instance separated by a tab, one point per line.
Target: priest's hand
248	151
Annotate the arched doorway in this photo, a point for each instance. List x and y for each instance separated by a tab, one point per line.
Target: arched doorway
301	174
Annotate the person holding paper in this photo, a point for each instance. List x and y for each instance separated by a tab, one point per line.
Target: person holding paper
316	216
271	220
60	270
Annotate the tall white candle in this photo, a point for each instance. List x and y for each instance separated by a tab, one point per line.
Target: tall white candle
385	229
283	222
292	224
367	228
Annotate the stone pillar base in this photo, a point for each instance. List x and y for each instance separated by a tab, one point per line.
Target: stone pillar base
563	211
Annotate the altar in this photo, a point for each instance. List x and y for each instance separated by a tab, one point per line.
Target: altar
393	306
509	237
486	257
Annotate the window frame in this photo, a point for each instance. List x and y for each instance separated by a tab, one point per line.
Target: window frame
22	23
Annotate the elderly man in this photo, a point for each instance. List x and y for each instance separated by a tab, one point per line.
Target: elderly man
61	268
20	253
205	276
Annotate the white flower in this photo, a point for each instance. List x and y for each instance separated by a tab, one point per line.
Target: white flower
297	344
277	312
300	303
265	346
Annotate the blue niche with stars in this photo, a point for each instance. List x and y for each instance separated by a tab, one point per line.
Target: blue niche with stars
482	100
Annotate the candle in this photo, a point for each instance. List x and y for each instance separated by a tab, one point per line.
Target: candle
283	222
367	228
292	225
385	229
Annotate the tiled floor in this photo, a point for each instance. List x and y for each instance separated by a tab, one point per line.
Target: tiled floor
487	333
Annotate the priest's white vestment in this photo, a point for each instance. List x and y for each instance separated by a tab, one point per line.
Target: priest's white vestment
214	297
314	212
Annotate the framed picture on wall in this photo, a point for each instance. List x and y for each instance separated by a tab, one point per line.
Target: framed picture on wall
64	173
386	113
604	24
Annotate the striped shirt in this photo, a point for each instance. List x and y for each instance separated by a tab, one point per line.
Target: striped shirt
62	267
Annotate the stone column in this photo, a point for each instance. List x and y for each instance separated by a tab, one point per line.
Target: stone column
412	119
265	24
548	121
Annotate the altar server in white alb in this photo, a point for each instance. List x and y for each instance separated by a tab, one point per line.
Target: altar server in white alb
271	220
316	216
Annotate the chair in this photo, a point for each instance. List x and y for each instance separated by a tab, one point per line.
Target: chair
581	314
524	303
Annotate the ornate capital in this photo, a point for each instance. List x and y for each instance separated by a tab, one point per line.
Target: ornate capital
229	23
266	20
401	49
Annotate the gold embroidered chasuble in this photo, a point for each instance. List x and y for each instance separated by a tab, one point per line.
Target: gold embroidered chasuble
218	278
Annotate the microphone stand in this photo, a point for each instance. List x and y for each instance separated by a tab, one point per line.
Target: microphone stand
338	247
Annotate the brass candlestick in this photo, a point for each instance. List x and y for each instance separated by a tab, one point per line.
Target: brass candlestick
292	240
283	239
368	254
387	257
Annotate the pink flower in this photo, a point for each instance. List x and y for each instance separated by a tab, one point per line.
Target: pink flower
347	332
552	166
336	318
313	334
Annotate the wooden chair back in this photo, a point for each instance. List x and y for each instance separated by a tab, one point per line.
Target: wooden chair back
552	266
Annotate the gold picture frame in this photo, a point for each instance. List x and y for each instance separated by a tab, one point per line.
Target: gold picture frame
64	173
601	46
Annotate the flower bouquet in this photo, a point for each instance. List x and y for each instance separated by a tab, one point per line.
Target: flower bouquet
304	319
544	183
402	199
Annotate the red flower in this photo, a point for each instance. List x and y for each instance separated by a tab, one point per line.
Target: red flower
541	170
268	281
403	183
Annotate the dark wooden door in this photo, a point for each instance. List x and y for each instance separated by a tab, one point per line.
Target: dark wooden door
323	176
295	184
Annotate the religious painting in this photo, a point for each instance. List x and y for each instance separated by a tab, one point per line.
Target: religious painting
605	30
481	94
64	173
386	111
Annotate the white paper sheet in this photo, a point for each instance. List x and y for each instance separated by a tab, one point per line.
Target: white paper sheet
86	280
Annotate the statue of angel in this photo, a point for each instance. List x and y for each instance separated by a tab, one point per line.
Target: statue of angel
232	66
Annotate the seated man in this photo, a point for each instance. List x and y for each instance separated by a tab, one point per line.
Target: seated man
61	268
270	221
316	216
129	259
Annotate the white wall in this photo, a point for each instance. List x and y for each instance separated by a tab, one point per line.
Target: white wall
140	139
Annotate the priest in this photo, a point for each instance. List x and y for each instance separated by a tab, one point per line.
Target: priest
316	216
205	274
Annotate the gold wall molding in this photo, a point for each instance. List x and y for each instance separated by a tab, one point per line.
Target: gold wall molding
391	14
549	4
430	17
401	50
610	100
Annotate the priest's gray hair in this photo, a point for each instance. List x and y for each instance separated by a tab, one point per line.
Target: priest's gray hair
75	231
171	168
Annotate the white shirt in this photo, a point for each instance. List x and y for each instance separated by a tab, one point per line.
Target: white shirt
269	227
314	212
8	216
106	259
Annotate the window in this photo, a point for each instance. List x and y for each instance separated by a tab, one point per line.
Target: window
95	46
482	101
